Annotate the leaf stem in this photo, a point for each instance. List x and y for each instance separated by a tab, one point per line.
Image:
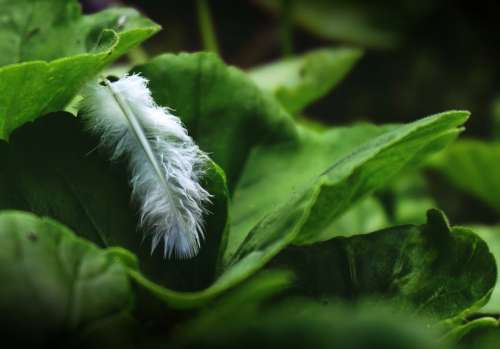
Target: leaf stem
206	27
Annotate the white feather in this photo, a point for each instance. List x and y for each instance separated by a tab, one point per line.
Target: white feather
165	164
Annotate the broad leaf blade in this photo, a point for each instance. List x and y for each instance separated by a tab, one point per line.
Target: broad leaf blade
432	270
42	73
338	165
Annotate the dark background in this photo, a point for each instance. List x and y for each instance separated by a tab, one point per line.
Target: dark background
445	56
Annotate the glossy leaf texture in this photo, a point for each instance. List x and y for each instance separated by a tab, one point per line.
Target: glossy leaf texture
39	72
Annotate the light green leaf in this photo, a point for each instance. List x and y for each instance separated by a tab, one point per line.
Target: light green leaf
299	81
39	71
474	167
431	270
336	168
54	283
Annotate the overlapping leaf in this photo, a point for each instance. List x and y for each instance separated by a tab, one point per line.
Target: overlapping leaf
48	51
431	270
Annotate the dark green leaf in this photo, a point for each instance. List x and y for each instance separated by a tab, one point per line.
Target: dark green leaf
431	270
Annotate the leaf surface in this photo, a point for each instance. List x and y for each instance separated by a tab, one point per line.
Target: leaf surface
39	71
54	282
430	270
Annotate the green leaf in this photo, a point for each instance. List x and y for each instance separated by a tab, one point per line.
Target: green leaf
432	270
336	168
491	234
299	81
288	183
474	167
68	179
39	72
54	283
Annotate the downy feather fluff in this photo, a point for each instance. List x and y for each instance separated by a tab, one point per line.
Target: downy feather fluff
164	162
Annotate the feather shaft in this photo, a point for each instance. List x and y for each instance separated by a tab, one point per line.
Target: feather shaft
164	162
139	135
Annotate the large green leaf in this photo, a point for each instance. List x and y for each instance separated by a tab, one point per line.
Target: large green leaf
474	167
41	72
66	178
432	270
54	283
336	167
299	81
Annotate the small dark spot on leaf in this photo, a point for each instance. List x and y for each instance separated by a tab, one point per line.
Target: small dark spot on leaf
32	236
